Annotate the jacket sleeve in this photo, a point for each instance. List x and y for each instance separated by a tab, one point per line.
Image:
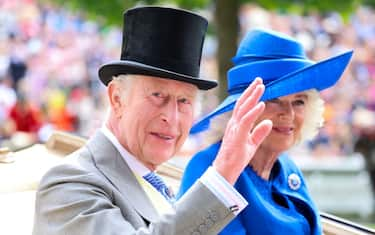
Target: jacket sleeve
72	201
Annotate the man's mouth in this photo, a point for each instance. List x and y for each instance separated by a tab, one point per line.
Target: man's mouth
162	136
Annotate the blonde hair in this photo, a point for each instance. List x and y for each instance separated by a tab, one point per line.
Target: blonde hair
314	118
312	123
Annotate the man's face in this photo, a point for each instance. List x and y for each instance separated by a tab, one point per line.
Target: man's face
155	118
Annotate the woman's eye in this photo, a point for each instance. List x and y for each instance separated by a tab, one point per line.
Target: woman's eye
299	102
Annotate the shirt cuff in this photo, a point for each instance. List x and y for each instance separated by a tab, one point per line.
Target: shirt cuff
223	190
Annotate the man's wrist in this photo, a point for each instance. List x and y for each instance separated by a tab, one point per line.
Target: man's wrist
219	186
226	171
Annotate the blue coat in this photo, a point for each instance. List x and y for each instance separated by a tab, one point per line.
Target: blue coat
281	205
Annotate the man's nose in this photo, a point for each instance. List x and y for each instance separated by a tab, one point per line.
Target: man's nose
170	112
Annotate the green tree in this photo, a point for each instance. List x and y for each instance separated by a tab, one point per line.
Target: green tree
225	25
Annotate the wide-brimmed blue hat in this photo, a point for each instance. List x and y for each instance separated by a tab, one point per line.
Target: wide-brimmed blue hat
282	64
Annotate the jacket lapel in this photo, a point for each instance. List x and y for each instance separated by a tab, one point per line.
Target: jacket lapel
109	161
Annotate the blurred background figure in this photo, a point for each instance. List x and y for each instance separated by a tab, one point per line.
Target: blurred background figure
17	59
7	100
23	124
24	116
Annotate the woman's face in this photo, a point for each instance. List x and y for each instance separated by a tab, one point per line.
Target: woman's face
287	114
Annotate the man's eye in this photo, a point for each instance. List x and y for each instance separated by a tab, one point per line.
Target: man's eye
157	94
157	98
184	101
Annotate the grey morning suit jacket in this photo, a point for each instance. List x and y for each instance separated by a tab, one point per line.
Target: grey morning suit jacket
95	192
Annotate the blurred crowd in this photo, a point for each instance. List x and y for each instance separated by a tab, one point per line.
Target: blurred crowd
49	57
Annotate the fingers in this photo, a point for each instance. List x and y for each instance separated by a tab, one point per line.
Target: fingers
247	109
247	120
250	96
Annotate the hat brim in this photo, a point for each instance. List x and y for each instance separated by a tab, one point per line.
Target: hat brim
107	71
309	77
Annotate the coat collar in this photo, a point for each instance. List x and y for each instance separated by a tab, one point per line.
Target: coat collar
109	161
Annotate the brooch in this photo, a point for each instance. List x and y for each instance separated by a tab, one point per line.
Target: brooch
294	181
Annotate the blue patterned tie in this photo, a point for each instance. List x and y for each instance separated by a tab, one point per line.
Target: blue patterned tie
159	185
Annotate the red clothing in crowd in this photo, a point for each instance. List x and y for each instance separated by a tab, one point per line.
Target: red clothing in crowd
25	118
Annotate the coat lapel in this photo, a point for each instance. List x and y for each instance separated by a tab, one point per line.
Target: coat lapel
109	161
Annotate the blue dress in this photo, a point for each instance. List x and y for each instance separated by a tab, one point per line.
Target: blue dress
280	205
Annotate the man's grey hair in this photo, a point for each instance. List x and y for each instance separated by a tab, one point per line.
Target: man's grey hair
313	121
125	82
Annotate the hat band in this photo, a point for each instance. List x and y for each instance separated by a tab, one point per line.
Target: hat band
249	58
270	70
242	87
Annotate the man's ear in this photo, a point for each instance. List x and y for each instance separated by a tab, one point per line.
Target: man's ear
115	99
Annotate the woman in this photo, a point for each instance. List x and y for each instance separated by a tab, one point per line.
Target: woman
279	202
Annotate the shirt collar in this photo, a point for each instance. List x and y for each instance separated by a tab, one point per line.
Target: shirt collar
135	165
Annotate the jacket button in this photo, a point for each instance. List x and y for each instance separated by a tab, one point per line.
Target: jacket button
213	216
202	228
209	222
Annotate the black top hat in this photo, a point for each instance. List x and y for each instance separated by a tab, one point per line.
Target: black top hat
161	42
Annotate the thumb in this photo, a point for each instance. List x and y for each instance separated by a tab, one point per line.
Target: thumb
261	131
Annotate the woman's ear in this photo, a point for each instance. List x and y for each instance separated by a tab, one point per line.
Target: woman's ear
115	99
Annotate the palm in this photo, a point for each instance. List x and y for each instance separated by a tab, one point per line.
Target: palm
241	139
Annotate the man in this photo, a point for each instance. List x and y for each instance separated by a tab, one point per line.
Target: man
103	188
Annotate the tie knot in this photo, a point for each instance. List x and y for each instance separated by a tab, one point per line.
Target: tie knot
157	182
154	180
